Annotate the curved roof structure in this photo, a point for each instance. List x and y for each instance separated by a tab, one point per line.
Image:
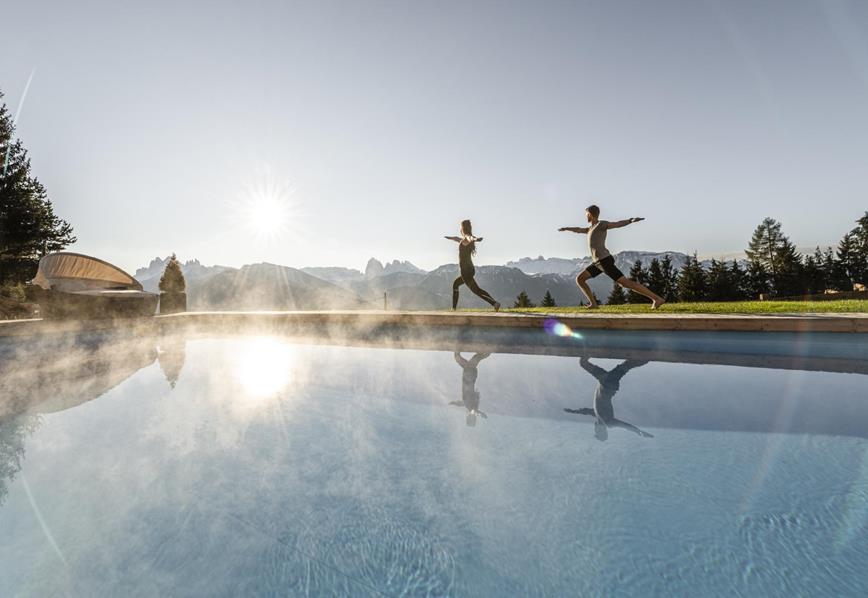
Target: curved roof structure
71	272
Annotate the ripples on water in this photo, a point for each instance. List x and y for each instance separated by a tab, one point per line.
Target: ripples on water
611	464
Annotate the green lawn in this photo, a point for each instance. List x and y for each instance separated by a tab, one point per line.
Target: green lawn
734	307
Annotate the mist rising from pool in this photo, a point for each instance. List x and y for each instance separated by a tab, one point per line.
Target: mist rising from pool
265	464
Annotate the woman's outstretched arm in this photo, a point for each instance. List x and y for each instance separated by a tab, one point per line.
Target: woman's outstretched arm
573	229
456	239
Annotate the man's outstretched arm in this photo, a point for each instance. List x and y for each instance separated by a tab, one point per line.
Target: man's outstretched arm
621	223
573	229
622	424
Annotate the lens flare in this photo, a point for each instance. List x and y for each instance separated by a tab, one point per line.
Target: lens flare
555	328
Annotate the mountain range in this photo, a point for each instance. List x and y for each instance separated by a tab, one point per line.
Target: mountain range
405	286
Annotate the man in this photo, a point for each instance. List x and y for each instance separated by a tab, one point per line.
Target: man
602	260
608	385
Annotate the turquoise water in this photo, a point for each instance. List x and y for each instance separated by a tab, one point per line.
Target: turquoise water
266	466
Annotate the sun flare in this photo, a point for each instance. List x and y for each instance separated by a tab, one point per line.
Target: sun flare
266	207
267	215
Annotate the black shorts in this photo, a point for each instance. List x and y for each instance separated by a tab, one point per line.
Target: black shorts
607	265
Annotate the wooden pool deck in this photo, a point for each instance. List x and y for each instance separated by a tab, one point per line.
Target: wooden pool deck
818	322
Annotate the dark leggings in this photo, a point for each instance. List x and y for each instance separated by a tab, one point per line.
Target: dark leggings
467	278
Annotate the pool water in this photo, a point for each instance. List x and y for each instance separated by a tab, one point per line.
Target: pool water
270	466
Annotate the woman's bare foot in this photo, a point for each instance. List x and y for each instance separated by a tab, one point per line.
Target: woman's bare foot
496	306
592	306
657	304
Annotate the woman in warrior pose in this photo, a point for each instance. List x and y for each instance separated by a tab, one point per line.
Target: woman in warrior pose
469	395
466	250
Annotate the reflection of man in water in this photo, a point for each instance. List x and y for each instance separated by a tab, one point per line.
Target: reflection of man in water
469	394
608	385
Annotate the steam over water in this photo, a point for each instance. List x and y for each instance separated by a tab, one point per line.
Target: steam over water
508	463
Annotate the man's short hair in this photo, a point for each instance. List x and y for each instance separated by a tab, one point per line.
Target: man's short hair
593	211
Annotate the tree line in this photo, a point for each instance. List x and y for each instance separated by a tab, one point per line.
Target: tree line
773	269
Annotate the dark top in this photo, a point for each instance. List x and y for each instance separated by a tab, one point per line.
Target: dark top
465	256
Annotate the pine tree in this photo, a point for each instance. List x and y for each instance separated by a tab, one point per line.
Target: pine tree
813	276
764	244
756	280
617	296
656	279
739	281
548	300
720	285
788	281
172	280
845	263
639	274
670	277
28	226
692	285
523	301
836	277
858	267
771	248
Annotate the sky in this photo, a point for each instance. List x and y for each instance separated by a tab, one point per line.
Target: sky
324	133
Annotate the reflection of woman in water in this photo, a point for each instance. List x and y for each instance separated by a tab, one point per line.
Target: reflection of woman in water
469	394
608	385
466	251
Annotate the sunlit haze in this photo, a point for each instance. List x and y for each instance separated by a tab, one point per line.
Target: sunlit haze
325	133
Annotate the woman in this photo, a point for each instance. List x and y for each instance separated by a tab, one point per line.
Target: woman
466	251
469	395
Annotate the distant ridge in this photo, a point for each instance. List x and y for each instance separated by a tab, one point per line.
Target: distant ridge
275	287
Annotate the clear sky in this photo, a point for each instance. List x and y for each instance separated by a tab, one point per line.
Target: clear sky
377	126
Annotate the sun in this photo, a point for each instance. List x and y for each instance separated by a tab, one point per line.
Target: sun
266	207
267	215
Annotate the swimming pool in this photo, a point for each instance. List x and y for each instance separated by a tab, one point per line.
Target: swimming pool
524	464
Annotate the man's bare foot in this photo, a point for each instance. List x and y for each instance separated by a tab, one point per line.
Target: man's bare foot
657	304
496	306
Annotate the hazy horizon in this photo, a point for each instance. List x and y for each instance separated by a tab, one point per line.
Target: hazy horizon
325	134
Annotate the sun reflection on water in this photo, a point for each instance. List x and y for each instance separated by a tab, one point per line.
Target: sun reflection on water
264	366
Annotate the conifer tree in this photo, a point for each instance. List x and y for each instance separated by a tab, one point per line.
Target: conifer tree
836	278
756	280
692	285
523	300
28	226
172	280
788	281
617	296
720	286
845	263
858	259
548	300
639	274
670	277
656	279
739	281
764	244
772	249
813	276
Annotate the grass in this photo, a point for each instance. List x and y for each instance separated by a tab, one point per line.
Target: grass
730	307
